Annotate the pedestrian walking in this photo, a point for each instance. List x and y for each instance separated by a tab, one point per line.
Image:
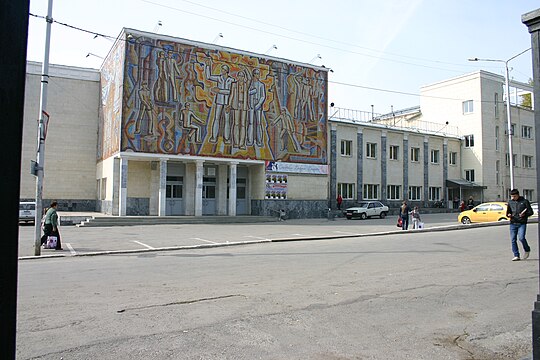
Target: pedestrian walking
470	203
404	211
415	214
50	226
518	211
339	201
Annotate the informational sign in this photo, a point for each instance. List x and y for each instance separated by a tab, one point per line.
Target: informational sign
278	166
276	186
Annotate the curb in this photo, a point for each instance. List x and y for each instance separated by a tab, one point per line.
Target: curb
305	238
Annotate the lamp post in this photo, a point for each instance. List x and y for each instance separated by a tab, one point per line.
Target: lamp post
508	112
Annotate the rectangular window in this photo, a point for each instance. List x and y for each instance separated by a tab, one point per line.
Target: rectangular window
469	175
346	147
514	159
371	150
469	141
415	154
526	132
434	193
394	192
394	151
415	193
526	161
496	105
497	138
346	191
497	172
528	194
513	130
371	191
452	159
467	107
434	156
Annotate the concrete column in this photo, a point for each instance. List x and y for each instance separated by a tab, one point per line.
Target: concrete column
532	20
332	193
154	189
189	189
232	188
445	172
116	187
405	166
162	200
426	171
384	172
122	195
199	172
221	204
359	164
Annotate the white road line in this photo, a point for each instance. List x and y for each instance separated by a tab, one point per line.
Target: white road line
211	242
255	237
71	250
298	234
146	246
344	232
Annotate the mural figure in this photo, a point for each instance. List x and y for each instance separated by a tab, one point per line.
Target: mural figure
191	123
238	103
286	130
171	71
257	96
160	86
222	91
146	108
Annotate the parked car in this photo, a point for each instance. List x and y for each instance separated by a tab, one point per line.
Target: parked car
535	208
491	211
367	209
27	211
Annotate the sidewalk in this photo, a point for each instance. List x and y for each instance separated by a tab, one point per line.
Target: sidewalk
77	241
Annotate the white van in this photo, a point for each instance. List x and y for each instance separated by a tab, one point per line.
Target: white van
27	211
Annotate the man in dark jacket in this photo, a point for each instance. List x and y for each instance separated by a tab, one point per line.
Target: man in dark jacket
519	209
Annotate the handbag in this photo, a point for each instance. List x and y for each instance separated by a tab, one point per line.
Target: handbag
399	222
51	242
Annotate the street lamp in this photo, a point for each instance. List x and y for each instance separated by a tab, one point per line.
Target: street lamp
508	112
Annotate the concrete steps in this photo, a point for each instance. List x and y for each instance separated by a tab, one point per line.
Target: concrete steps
105	221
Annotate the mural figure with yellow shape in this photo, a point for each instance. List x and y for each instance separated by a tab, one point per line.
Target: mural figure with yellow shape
161	86
239	104
221	100
286	130
145	108
257	96
171	71
191	123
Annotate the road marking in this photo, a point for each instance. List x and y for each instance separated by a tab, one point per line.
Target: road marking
255	237
298	234
211	242
344	232
71	250
146	246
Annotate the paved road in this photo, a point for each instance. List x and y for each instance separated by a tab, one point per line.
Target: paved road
88	240
437	295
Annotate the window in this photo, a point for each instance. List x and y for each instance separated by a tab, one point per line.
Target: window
469	175
434	193
415	193
526	132
513	129
371	191
528	194
371	150
394	151
469	141
496	105
434	156
514	159
497	172
393	192
415	154
526	161
497	138
453	158
468	107
346	190
346	146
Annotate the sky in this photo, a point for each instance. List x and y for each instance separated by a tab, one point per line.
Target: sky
381	52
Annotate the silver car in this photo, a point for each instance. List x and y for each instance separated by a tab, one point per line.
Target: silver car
27	211
367	209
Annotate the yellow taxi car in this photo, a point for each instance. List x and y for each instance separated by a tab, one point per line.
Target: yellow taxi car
491	211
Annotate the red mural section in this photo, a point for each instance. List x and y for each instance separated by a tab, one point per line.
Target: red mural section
184	98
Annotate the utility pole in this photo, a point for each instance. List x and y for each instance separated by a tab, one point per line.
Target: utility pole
39	166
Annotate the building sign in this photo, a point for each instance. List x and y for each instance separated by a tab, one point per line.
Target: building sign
298	168
276	186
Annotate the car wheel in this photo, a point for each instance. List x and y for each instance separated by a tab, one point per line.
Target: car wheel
349	217
465	220
363	216
383	215
502	219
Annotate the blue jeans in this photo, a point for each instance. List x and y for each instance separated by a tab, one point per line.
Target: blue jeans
518	231
404	222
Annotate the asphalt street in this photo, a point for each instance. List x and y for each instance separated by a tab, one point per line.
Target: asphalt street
432	295
81	240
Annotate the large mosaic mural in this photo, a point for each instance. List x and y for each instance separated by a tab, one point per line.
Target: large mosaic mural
186	99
